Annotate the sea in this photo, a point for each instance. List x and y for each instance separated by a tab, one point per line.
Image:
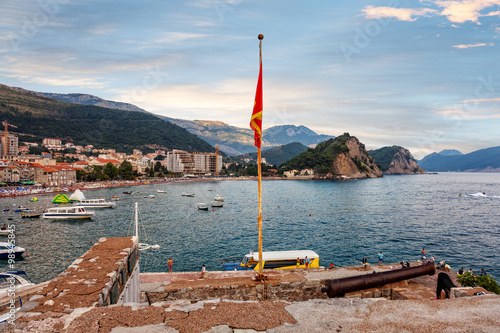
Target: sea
343	221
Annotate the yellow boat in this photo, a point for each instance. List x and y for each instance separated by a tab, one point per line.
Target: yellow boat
274	260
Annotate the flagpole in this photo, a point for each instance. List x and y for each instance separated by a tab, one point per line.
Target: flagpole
259	168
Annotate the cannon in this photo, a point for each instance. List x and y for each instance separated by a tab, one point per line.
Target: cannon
339	287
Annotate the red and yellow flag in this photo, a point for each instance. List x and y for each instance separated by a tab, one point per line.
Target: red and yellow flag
258	107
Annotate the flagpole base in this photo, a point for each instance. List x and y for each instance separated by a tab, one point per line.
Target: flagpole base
260	277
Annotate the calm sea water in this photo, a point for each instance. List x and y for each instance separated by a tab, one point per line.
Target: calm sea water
341	221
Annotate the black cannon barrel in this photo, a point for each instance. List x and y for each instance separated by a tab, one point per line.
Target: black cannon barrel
339	287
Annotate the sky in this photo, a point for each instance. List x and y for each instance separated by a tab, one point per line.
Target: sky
424	74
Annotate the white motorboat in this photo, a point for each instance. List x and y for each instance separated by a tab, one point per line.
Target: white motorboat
7	248
217	204
67	213
219	198
151	196
184	194
161	191
96	203
14	278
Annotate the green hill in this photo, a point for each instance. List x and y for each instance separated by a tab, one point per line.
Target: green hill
39	117
384	156
343	156
276	155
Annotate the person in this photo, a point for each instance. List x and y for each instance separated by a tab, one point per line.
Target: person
203	270
483	273
432	259
380	258
441	264
470	270
461	271
332	266
423	254
170	262
364	261
307	262
4	227
298	262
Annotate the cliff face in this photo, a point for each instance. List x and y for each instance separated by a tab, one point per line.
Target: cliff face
395	160
403	163
355	163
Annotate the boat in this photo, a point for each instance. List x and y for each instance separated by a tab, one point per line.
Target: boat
161	191
202	206
21	209
30	215
96	203
151	196
6	209
115	198
129	193
273	260
68	213
184	194
17	278
34	199
219	198
7	248
217	204
142	246
6	232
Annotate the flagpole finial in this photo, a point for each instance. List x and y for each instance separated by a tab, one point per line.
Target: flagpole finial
260	37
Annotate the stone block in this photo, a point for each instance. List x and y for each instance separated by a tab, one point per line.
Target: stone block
367	294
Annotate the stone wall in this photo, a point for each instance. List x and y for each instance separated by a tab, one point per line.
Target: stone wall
285	291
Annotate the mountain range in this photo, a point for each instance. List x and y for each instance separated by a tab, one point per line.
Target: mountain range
232	140
483	160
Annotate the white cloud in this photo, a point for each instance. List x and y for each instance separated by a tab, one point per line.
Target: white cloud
482	100
402	14
467	46
465	10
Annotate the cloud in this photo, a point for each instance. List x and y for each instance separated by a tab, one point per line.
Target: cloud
466	10
467	46
401	14
482	100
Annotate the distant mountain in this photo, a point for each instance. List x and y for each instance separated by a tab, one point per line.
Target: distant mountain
86	99
450	152
484	160
277	155
232	140
237	141
283	134
395	160
343	156
39	117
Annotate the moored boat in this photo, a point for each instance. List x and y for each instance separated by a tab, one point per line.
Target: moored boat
161	191
96	203
17	278
68	213
274	260
219	198
7	248
202	206
184	194
217	204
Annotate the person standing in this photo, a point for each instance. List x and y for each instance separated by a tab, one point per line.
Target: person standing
380	258
306	261
203	270
298	262
170	262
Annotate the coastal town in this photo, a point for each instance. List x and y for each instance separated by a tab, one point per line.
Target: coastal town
19	167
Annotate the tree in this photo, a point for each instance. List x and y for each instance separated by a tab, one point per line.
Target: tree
126	171
80	175
111	171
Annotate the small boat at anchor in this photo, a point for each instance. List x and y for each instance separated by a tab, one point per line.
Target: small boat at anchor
67	213
217	205
7	248
184	194
161	191
151	196
203	206
30	215
219	198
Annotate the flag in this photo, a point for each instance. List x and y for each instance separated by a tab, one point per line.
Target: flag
258	106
